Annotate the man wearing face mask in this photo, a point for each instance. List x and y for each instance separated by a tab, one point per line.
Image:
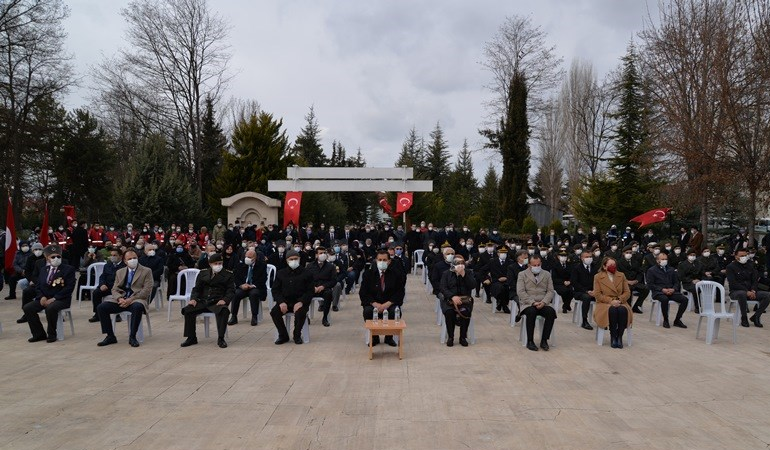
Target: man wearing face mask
251	283
742	277
218	231
710	266
324	276
152	261
79	244
648	238
106	280
561	271
278	257
396	252
594	238
130	293
634	274
438	268
35	263
664	284
690	272
582	279
512	274
54	287
481	266
676	256
292	291
496	279
724	260
176	262
213	291
534	288
381	289
696	240
457	284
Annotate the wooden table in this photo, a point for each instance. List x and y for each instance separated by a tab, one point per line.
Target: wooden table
391	329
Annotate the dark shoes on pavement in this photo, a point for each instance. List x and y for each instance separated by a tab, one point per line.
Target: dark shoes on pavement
188	342
107	341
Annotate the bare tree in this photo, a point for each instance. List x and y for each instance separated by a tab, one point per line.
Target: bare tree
552	150
177	57
35	69
586	107
521	47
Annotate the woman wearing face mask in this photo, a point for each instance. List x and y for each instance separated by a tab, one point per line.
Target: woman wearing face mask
456	288
19	262
612	310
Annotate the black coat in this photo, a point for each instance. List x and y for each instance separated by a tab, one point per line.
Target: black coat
293	286
324	274
742	277
452	285
211	288
61	287
659	278
258	275
581	279
370	288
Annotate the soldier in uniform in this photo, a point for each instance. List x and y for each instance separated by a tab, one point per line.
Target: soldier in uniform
496	279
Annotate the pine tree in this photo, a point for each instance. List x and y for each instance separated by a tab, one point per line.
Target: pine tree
437	160
463	201
489	198
413	153
307	147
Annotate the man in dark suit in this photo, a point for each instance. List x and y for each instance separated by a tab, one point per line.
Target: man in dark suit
324	279
743	276
107	280
278	257
382	288
213	291
689	272
582	280
561	272
480	265
512	274
35	262
496	278
54	287
292	291
634	273
664	284
251	282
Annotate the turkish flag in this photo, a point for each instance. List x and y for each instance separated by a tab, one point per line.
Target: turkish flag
10	239
69	213
291	208
403	202
44	229
650	217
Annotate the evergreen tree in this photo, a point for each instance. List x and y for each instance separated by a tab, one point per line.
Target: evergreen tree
152	190
463	200
489	199
213	147
307	146
514	148
260	152
437	160
413	153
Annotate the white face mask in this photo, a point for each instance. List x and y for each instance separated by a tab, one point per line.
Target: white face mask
536	269
469	246
382	265
150	252
25	249
706	254
332	258
720	252
56	262
656	252
293	263
90	249
449	258
216	268
503	256
597	253
132	263
490	250
435	249
459	267
37	252
578	252
743	259
678	252
691	258
588	261
663	263
248	261
322	257
543	253
628	256
139	246
668	248
562	259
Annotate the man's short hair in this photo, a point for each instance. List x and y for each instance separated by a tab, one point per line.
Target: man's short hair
535	256
116	249
383	252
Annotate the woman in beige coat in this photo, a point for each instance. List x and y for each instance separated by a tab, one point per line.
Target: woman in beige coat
612	293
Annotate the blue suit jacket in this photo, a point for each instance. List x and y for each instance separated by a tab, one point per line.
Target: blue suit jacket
62	286
107	277
659	279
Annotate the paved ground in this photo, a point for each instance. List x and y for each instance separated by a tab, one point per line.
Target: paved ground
666	391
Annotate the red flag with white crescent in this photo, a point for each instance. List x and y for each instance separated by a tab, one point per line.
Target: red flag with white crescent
10	239
291	208
404	202
650	217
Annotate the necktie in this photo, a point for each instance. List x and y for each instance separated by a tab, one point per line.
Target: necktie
248	277
588	268
129	280
382	281
51	271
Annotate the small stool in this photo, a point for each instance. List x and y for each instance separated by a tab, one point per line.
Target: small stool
287	318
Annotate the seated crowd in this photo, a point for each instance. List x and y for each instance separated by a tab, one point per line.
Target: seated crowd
598	272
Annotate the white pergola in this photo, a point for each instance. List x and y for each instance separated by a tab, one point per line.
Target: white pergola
349	179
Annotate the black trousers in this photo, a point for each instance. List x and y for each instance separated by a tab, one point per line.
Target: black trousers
98	295
452	319
192	312
12	280
566	293
690	287
586	300
27	295
51	313
326	294
255	296
299	320
105	309
531	314
499	291
642	291
763	298
675	297
618	321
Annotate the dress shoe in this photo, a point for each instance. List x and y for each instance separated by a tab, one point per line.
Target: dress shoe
133	342
463	342
488	301
298	340
620	343
95	318
118	318
544	346
189	342
107	341
477	295
390	341
221	343
233	320
254	321
665	324
11	297
375	340
37	338
51	339
320	308
755	320
564	311
281	340
532	346
506	310
22	320
744	322
450	342
637	310
586	326
335	308
614	343
679	324
325	322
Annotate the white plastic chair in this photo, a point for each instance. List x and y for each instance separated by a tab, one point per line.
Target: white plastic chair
126	315
288	319
162	289
577	311
189	276
439	313
514	312
93	272
539	323
706	301
207	316
471	331
271	271
600	336
315	303
417	261
60	323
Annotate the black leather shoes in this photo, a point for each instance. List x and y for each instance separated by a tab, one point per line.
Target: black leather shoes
335	308
375	341
506	310
586	326
620	343
326	323
37	338
614	343
107	341
463	342
755	320
298	340
450	342
544	346
744	322
51	339
22	320
679	324
637	310
189	342
665	324
95	319
221	343
133	342
532	346
281	340
233	320
118	318
390	341
254	321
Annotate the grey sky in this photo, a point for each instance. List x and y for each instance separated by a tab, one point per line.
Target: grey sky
375	68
